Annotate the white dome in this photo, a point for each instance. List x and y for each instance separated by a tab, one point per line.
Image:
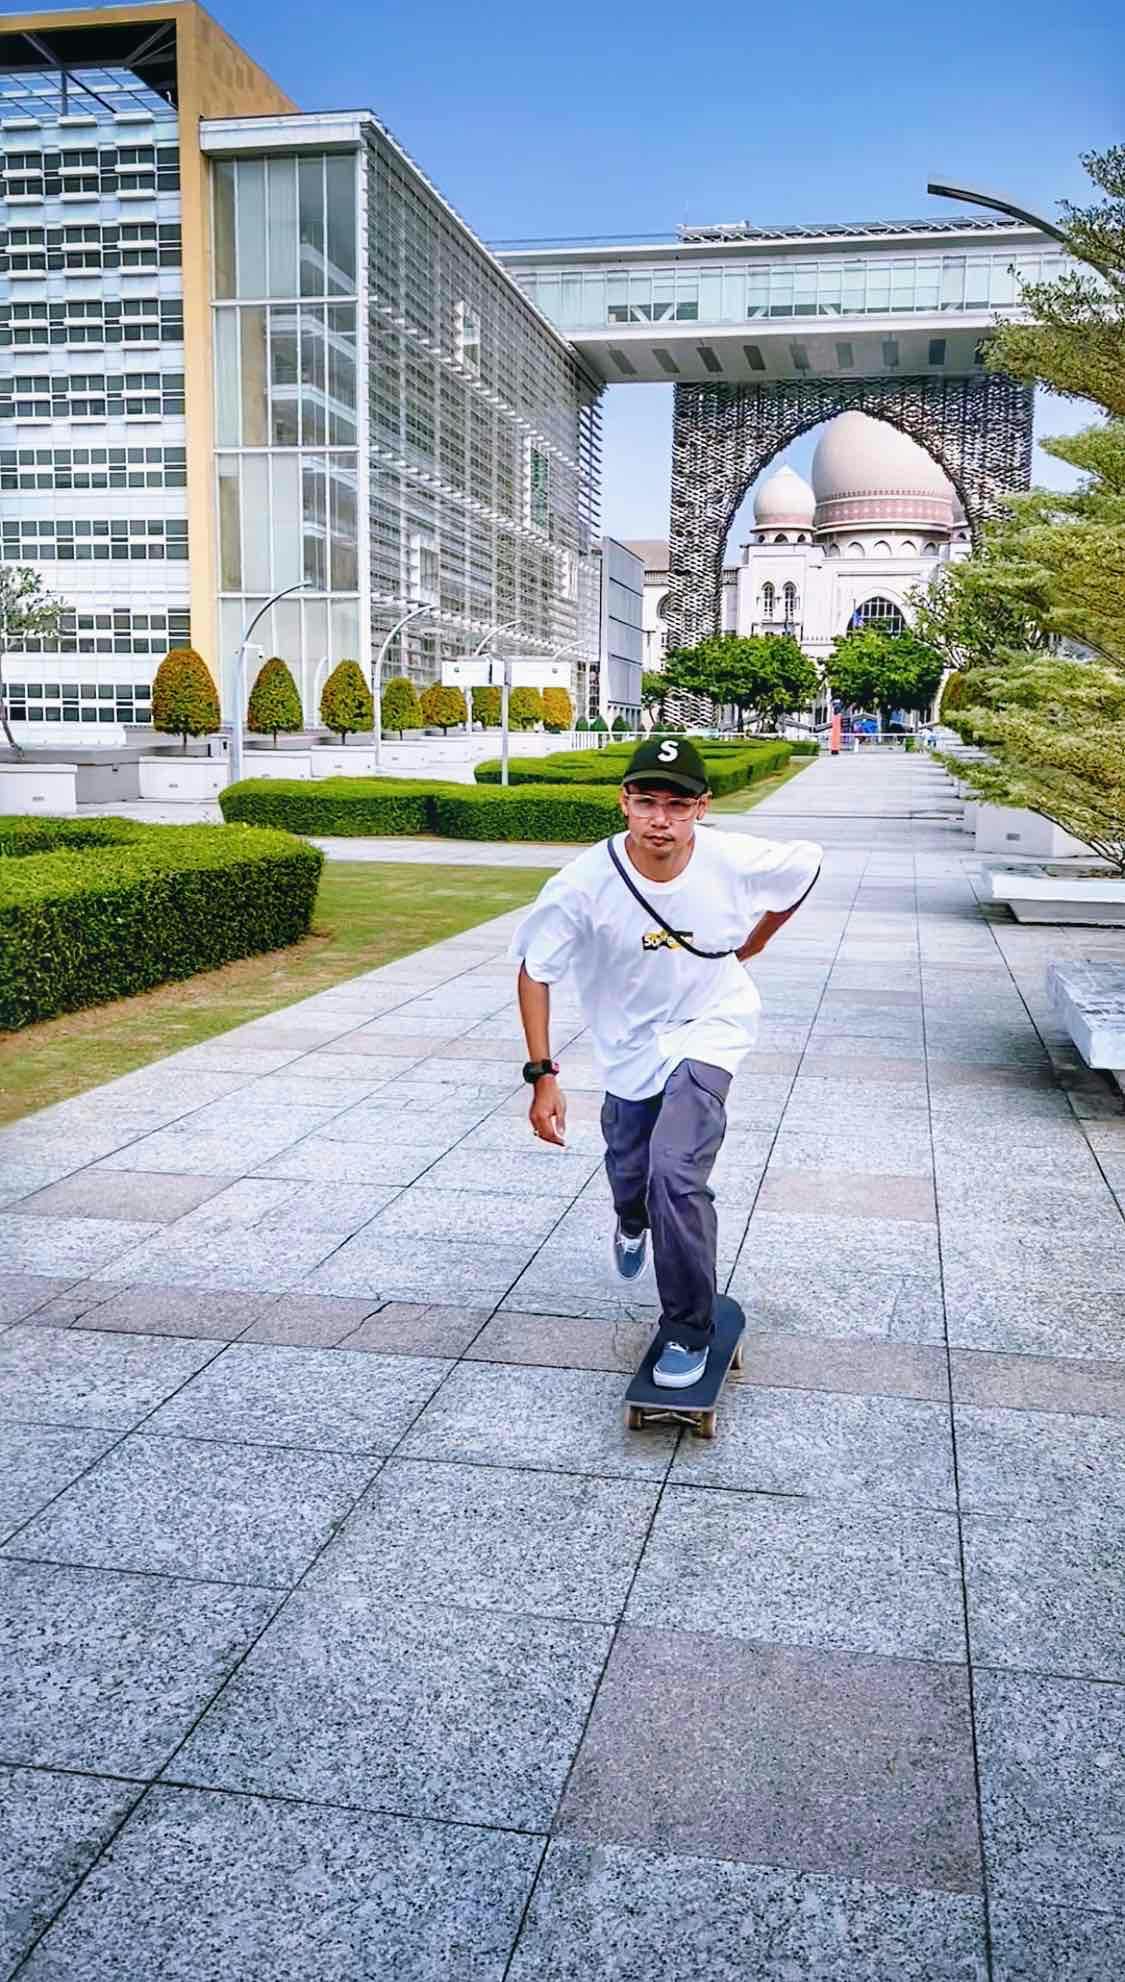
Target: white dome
866	471
784	502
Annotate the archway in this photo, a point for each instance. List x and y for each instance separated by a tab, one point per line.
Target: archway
978	430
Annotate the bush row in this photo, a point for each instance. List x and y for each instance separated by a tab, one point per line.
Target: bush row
730	766
359	806
97	909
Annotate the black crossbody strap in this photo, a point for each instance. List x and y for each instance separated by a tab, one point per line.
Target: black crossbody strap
711	956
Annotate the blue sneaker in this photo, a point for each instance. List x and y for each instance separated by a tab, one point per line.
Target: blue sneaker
629	1254
678	1367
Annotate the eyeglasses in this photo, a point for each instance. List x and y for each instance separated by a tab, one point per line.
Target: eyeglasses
647	808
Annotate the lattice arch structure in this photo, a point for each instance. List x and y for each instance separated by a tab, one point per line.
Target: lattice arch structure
978	430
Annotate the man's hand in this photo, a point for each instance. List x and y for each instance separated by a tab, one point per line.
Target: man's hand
547	1114
760	935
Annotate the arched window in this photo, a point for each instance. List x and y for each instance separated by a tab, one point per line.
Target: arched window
789	600
662	606
929	550
781	538
882	548
768	598
832	551
882	614
907	549
855	550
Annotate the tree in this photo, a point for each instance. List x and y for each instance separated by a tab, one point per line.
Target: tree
654	690
619	726
1075	342
27	612
185	701
787	680
525	708
582	725
400	705
884	672
972	613
1055	733
1063	551
486	706
443	708
275	705
766	676
345	701
558	710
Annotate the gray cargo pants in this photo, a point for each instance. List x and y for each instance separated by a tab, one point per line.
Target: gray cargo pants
659	1154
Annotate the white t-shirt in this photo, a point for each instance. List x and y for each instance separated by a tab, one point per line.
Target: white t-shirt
649	1003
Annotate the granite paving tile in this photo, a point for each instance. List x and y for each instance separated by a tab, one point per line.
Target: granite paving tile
883	1148
51	1830
1047	1943
1082	1210
487	1538
1039	1383
322	1399
37	1462
227	1260
871	1242
865	1368
23	1293
563	1341
148	1197
67	1247
305	1321
479	1217
775	1571
237	1887
519	1171
421	1710
390	1164
1037	1463
418	1328
392	1269
895	1450
1044	1320
843	1296
1047	1598
199	1508
816	1761
849	1193
1052	1789
57	1377
615	1913
105	1672
554	1420
1010	1257
162	1310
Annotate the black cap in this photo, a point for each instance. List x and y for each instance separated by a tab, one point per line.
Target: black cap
671	761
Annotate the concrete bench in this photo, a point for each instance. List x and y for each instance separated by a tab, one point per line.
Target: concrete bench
1061	897
1089	998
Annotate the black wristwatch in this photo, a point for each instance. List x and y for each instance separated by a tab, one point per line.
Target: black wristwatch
536	1069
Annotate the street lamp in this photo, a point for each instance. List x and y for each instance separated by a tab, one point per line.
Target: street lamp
240	675
507	626
996	203
415	612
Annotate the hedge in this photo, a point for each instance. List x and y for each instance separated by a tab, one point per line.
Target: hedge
348	807
730	766
92	910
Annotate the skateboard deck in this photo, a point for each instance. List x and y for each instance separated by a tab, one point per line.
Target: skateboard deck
647	1403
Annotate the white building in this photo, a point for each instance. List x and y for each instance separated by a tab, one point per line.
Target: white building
844	550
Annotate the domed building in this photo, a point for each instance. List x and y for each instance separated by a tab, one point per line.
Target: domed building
843	550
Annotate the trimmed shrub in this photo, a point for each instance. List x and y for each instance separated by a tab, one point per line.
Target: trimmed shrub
345	701
598	726
275	705
806	746
730	766
185	701
401	707
443	708
360	806
582	725
97	909
619	726
558	710
525	708
486	707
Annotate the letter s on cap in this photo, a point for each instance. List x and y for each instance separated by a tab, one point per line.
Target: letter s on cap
666	753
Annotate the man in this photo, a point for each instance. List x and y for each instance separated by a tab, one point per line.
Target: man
670	1027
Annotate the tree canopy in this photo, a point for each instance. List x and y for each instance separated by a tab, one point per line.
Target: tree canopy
443	708
558	710
27	612
401	709
345	700
275	705
525	708
185	701
884	672
763	677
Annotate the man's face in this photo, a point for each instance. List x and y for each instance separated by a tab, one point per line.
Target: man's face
661	818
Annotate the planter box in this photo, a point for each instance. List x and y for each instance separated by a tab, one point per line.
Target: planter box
1089	998
342	761
1003	829
111	782
182	780
32	788
1048	898
276	764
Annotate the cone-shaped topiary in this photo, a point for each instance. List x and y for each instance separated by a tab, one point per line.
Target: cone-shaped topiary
345	701
583	724
599	726
185	701
620	727
558	710
401	707
525	708
275	705
486	707
443	708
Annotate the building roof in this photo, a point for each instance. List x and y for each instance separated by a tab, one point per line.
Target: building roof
784	502
653	551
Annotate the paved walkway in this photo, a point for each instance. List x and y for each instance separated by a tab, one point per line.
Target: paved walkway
346	1632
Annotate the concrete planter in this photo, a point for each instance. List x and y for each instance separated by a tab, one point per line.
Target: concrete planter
182	780
276	764
1050	898
1003	829
43	788
1089	997
108	780
342	761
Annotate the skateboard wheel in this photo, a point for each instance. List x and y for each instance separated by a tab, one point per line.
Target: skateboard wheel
635	1418
704	1426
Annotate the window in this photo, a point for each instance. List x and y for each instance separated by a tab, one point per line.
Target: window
881	549
907	549
425	570
882	614
929	550
113	631
537	486
97	539
468	339
769	600
568	575
28	468
855	549
789	598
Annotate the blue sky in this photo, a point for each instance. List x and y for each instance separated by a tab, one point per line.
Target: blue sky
538	121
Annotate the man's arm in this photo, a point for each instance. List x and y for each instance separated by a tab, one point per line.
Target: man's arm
547	1113
768	925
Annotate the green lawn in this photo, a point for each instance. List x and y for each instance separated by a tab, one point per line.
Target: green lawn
742	801
367	913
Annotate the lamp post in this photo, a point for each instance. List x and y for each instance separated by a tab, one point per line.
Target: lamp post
240	674
507	626
415	612
996	203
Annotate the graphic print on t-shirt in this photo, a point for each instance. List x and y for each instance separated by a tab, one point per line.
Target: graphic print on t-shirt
664	939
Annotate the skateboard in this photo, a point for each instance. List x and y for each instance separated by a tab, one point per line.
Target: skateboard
647	1404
